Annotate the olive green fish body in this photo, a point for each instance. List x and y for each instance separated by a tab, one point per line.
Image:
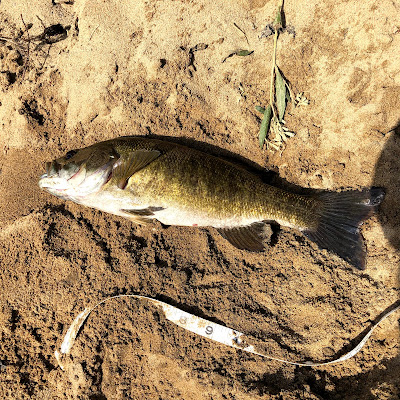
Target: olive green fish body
143	179
193	188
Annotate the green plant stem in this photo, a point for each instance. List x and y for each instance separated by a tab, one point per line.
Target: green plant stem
277	26
271	90
280	6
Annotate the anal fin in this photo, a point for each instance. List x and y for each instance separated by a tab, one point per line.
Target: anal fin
250	237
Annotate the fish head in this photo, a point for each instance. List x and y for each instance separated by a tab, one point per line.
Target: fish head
79	172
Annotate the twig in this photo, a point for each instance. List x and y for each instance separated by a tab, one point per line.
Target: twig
41	21
45	58
93	32
12	41
28	48
241	30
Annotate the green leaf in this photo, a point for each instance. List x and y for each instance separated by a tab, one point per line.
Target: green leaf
278	18
260	109
288	98
278	22
243	53
280	90
264	127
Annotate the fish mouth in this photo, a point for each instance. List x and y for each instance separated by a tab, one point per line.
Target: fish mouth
51	179
53	183
44	176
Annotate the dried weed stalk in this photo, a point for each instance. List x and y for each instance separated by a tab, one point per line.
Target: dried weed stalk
273	132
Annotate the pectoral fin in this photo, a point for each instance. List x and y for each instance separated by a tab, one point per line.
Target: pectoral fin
142	216
139	220
250	237
124	169
144	212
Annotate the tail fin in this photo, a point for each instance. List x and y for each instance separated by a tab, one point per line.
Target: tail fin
340	216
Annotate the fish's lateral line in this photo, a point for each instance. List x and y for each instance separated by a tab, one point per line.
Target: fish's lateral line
205	328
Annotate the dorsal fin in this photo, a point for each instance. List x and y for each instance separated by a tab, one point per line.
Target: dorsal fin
250	237
124	169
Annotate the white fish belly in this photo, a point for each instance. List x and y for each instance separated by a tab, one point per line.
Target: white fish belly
176	216
109	202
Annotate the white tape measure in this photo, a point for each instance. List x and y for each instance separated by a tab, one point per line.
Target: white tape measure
205	328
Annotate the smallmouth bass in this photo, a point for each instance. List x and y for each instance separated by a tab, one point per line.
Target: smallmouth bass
143	179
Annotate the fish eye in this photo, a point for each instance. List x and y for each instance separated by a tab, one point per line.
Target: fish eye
70	154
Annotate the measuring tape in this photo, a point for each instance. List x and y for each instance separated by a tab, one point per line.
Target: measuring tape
205	328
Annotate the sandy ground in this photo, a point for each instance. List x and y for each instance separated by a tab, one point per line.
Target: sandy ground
155	68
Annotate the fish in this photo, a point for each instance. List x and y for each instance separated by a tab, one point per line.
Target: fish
144	179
